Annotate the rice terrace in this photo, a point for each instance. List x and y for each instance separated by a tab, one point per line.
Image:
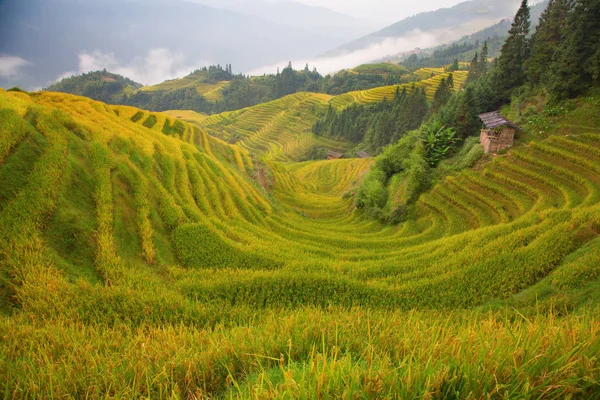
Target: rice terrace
192	254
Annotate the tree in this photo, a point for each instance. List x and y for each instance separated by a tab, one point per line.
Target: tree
550	33
466	119
441	96
483	63
577	60
473	69
511	63
455	66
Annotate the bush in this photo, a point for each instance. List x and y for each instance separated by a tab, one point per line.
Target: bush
371	193
150	121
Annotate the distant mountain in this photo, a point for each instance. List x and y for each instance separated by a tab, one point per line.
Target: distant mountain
464	48
314	19
161	38
448	23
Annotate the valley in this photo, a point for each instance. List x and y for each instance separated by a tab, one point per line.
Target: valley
294	235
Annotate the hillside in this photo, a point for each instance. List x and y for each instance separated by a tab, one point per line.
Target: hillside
141	256
208	82
98	85
430	79
464	48
215	89
461	19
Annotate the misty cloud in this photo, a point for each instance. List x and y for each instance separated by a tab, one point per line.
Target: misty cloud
10	66
387	47
156	66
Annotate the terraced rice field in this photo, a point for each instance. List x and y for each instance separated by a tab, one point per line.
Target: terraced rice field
211	91
186	115
430	83
513	206
280	130
201	268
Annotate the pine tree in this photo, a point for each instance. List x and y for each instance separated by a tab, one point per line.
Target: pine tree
455	66
483	63
473	69
441	96
466	120
577	60
550	33
511	70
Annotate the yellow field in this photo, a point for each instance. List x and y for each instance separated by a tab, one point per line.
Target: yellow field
143	257
378	94
212	92
186	115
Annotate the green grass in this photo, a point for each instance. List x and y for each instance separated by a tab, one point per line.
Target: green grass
158	260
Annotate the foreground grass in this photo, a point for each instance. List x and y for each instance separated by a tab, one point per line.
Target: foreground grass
309	353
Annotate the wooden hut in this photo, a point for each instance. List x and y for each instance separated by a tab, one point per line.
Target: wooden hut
498	133
362	154
332	155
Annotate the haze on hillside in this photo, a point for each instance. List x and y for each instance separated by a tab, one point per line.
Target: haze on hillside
151	41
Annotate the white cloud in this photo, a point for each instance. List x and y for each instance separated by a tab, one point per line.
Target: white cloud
387	47
155	67
10	66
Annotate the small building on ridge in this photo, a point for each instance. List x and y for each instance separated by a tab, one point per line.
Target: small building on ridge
332	155
362	154
498	133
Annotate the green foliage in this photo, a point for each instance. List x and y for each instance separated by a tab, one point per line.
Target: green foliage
150	121
576	63
546	41
511	63
438	142
99	85
417	173
176	129
137	116
371	193
376	125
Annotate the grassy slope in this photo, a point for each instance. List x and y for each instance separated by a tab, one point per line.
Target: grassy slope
196	80
136	263
430	80
186	115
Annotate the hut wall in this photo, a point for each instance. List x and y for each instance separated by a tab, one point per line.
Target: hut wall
495	143
485	141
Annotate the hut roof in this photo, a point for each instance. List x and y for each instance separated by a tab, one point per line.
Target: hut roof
334	154
363	154
494	119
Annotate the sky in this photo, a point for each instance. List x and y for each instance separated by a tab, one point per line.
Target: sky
381	11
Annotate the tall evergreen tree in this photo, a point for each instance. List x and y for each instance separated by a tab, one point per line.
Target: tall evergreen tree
455	66
549	34
466	121
511	70
450	81
473	69
577	60
441	96
483	63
